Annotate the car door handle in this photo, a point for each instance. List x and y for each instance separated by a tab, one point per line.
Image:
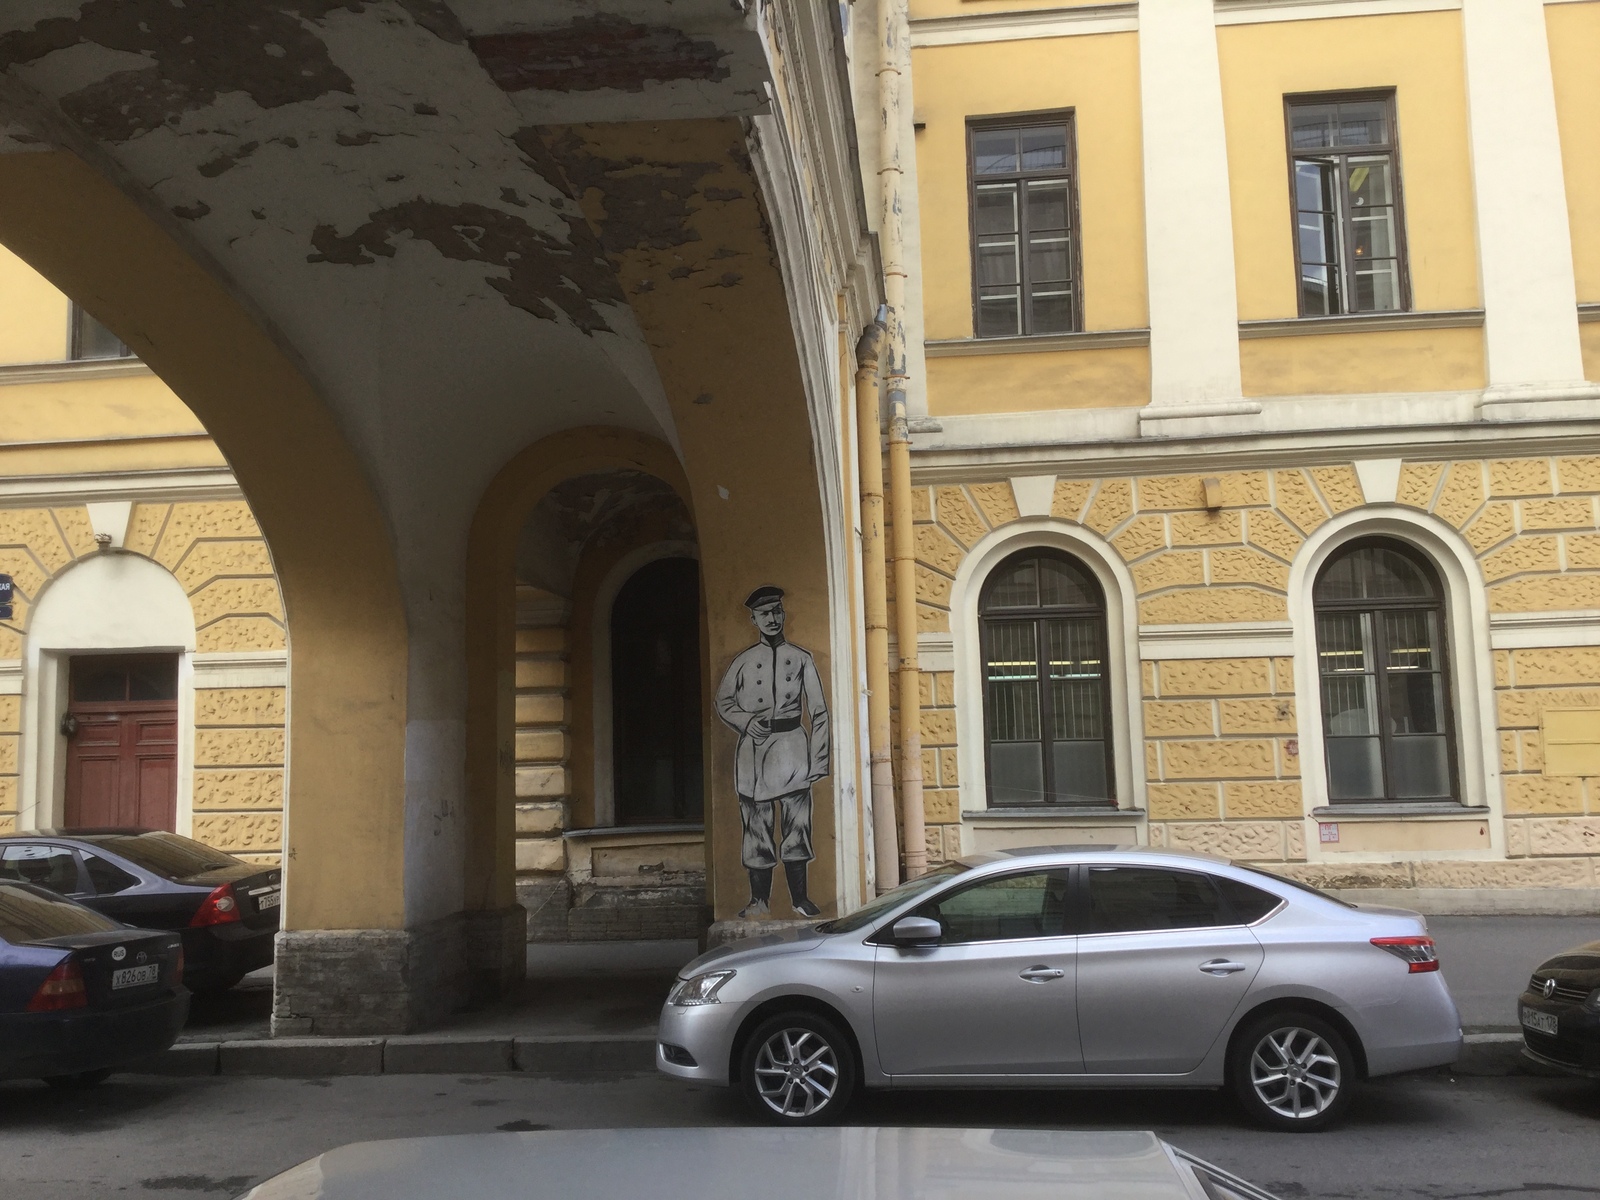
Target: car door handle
1221	966
1042	974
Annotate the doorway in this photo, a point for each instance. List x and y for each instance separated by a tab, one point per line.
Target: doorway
655	695
121	727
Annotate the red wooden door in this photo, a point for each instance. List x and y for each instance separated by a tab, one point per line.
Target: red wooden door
122	757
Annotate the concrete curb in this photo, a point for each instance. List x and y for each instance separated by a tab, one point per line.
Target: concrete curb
415	1054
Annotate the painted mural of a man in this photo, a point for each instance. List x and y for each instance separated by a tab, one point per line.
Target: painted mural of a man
777	760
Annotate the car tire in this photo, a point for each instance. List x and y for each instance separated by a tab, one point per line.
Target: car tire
82	1079
1291	1070
798	1068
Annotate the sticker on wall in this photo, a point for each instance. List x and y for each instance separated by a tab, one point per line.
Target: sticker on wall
1328	831
7	592
772	698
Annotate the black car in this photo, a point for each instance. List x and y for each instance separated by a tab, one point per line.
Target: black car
1560	1012
81	994
226	909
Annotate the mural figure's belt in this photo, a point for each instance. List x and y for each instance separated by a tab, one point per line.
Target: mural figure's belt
785	724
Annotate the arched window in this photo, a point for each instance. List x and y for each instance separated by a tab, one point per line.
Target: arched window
1047	703
1383	667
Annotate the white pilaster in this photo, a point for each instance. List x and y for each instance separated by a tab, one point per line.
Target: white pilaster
1194	306
1524	241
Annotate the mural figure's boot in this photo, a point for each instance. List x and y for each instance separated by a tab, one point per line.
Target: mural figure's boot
795	872
760	893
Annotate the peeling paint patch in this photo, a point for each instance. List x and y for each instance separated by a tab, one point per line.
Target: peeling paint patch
597	52
191	212
267	49
543	276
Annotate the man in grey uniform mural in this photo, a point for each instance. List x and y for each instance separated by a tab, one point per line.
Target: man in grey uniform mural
777	760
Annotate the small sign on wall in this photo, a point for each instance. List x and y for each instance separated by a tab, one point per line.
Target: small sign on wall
1327	831
7	591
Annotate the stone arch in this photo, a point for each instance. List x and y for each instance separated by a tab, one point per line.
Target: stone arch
331	546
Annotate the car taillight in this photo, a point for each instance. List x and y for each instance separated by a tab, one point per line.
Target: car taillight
62	988
219	908
1416	952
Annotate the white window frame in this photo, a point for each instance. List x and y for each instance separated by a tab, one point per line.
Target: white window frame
1471	675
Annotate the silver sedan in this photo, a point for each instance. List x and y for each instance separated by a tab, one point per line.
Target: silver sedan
1071	967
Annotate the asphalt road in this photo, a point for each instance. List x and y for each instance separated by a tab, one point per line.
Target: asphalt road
143	1136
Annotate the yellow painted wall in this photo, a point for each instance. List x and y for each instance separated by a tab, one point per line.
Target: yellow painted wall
1098	77
994	383
923	9
136	406
1402	360
33	315
1574	32
1418	54
1589	338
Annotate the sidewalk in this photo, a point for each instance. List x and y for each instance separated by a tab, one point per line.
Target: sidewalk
591	1007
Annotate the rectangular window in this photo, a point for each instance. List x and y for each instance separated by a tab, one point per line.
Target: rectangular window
1345	181
1024	218
90	339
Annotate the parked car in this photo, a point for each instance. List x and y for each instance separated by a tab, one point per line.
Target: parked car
789	1164
1077	967
225	908
81	994
1560	1012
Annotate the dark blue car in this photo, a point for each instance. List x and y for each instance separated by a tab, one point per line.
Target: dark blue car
80	994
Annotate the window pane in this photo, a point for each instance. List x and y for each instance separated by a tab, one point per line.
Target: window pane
1353	769
1011	668
1052	312
90	339
1044	148
1377	288
1130	899
994	151
1374	573
1061	582
105	878
1081	772
1017	906
1016	773
1016	586
997	261
1249	904
1419	768
1076	675
1412	639
1000	315
1373	233
28	917
1048	262
995	208
1319	239
1415	703
1344	643
1348	707
1311	126
153	680
1371	181
1313	186
50	867
100	685
1317	299
1363	123
1048	207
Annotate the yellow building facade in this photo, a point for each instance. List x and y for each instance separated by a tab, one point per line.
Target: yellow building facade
1256	470
126	539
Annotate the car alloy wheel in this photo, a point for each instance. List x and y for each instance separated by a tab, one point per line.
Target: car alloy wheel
1295	1073
798	1069
1292	1070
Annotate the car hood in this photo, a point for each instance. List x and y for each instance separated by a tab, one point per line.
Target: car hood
720	1164
793	940
1581	964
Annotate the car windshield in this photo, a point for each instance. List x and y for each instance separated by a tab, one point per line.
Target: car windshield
163	854
867	913
27	915
1294	883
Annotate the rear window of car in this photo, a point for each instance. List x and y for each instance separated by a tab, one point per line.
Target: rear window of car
163	854
27	915
1294	883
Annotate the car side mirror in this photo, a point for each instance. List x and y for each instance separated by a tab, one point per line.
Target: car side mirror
916	931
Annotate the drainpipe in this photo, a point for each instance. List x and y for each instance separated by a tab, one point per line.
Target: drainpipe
869	440
893	78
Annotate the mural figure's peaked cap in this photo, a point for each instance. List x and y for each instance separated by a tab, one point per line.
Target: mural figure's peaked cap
763	596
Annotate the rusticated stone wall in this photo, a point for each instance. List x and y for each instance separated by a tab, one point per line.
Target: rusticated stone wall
1220	736
215	550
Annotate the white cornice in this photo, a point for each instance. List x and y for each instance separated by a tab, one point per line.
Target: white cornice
10	677
1459	318
1528	631
188	483
1239	639
241	668
1096	339
1252	12
1023	26
72	371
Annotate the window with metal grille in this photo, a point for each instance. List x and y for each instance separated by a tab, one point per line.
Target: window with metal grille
1047	702
1383	667
1024	218
1344	176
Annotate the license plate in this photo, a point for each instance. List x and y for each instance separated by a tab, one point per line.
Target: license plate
136	976
270	900
1539	1022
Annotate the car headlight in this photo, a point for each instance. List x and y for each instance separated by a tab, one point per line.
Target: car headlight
700	989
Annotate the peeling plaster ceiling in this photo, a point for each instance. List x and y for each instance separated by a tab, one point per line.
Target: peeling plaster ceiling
369	174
